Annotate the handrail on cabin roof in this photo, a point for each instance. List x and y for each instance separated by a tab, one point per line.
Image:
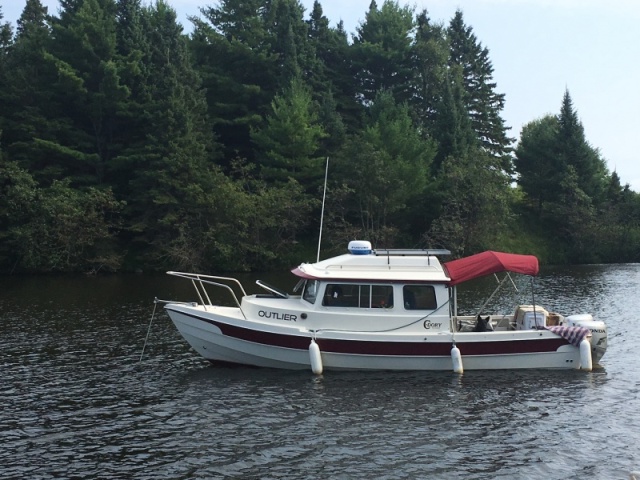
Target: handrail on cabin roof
410	252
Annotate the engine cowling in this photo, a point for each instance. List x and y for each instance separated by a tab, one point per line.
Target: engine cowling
598	333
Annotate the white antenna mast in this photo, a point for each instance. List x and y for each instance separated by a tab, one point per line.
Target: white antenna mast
324	195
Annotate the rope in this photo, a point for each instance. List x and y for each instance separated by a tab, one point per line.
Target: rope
155	305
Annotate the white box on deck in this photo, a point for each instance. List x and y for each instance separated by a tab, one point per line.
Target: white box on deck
528	317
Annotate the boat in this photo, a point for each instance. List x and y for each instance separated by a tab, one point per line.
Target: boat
384	309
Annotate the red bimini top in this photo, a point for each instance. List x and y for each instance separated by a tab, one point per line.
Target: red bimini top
489	262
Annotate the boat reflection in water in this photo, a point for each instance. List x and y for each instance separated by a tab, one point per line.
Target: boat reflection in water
385	309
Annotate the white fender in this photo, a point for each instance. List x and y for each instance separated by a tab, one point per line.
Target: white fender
585	355
315	358
456	358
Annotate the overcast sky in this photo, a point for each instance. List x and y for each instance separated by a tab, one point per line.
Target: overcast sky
538	49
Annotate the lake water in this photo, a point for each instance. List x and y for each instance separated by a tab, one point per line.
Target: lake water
78	403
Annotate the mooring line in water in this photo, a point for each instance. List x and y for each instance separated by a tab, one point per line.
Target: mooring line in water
155	305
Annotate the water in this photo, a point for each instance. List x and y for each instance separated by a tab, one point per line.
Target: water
77	403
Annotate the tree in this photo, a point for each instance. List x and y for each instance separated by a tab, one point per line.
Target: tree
382	58
56	228
574	217
88	90
238	67
333	76
475	205
430	55
6	35
566	182
452	126
483	105
288	32
574	150
26	93
290	139
387	168
167	172
331	81
537	162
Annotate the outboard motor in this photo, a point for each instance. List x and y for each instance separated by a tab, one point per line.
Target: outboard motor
598	333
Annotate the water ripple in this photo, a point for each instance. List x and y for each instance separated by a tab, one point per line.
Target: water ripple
77	403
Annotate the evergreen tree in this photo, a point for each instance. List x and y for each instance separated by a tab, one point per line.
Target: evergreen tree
382	57
331	81
171	173
483	105
537	163
453	129
291	138
574	150
88	90
233	54
430	53
26	94
574	218
475	205
289	33
548	149
387	168
6	35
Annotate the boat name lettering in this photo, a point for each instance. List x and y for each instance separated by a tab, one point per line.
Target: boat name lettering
289	317
428	325
595	330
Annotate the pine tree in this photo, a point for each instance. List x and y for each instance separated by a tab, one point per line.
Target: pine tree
475	205
6	37
238	68
537	163
26	83
290	140
331	81
87	89
286	27
387	167
574	150
483	104
169	167
453	129
382	57
430	53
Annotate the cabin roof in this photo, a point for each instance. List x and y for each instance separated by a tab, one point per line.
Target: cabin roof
415	266
384	266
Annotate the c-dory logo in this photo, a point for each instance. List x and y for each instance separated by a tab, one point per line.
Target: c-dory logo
289	317
428	325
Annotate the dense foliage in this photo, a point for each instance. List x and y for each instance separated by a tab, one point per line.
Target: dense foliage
126	144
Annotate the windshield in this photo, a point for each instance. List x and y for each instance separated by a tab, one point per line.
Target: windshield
310	291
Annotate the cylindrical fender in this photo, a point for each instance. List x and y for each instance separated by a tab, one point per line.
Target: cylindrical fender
315	358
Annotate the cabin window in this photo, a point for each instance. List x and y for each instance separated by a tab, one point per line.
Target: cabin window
310	291
362	296
419	297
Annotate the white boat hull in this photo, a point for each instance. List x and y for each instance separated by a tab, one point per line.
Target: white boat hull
222	334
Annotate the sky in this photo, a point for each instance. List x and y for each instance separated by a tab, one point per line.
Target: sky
538	49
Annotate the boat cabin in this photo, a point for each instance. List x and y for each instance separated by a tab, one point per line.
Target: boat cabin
368	295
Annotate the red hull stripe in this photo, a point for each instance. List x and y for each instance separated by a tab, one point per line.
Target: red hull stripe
363	347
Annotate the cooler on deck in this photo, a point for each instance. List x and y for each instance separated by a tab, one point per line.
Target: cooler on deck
528	317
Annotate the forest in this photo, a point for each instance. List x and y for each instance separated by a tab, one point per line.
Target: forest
128	145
